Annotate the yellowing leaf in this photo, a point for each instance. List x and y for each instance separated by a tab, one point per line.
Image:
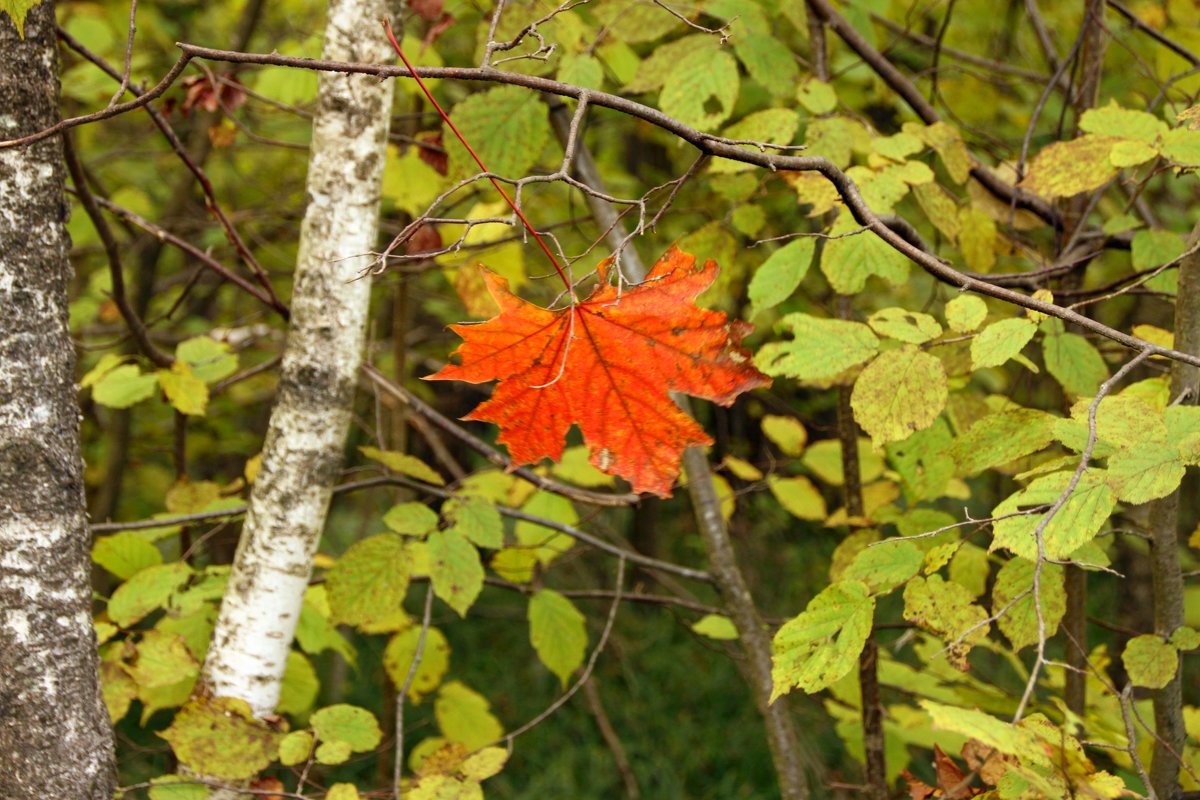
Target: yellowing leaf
715	626
435	660
900	392
945	608
787	433
123	386
1019	623
355	726
557	632
821	646
186	392
477	519
1000	438
1074	362
817	96
209	360
1145	471
410	519
1076	523
700	90
798	496
465	716
883	566
507	127
405	464
484	764
298	693
1150	661
1000	341
1064	169
162	659
369	581
220	737
125	554
977	238
295	747
848	262
146	591
904	325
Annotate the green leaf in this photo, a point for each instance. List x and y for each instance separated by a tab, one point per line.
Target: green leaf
435	661
1000	438
977	238
455	569
848	262
333	752
700	89
715	626
969	568
477	519
508	128
298	692
107	363
635	21
369	581
820	348
1019	623
177	787
123	387
770	62
1130	154
186	392
1076	523
780	274
557	632
799	497
1145	472
922	461
405	464
410	519
884	565
581	70
220	737
209	359
787	433
1150	661
1112	120
653	71
900	392
315	632
1064	169
773	126
946	609
988	730
904	325
125	554
146	591
355	726
1074	362
817	96
1000	341
295	748
1182	146
18	10
162	659
1185	638
821	646
546	544
465	716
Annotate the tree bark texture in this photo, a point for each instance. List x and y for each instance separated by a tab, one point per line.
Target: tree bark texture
302	453
1164	552
55	735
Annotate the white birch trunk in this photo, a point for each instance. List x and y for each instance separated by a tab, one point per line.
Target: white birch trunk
302	453
55	735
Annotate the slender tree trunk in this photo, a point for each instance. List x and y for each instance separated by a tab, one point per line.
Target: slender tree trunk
302	453
55	735
1164	552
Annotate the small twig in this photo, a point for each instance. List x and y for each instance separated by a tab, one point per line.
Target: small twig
398	766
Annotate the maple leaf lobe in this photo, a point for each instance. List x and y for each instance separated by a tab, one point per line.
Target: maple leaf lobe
607	365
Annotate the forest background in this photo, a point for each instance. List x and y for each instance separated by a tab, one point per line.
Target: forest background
935	536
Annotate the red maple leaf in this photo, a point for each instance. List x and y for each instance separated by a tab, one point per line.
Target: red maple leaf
607	364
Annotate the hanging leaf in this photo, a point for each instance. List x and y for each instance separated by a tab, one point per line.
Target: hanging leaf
557	632
900	392
945	608
1150	661
1000	341
1019	623
508	128
464	716
700	89
820	646
780	274
1076	523
455	569
626	352
434	663
369	581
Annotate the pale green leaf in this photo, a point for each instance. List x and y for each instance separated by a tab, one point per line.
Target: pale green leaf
653	70
1074	362
410	519
715	626
295	748
700	90
405	464
922	461
848	262
770	62
465	716
1077	522
369	581
821	646
483	764
124	386
434	663
355	726
1019	623
557	632
1000	341
904	325
1182	146
333	752
1002	437
900	392
506	125
1185	638
209	359
1126	123
477	519
819	349
298	692
883	566
817	96
1129	154
581	70
455	569
824	460
772	126
1145	472
18	10
1149	661
162	659
176	787
146	591
545	544
777	278
125	554
974	724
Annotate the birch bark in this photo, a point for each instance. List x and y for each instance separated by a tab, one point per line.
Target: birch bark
302	453
55	734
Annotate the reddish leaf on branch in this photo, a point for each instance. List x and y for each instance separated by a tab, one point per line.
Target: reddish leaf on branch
607	364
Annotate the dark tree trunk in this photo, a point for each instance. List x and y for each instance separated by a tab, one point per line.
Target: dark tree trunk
55	735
